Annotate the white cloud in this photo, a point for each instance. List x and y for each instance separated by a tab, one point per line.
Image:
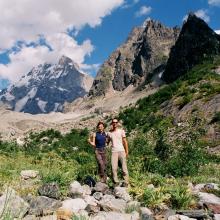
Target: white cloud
25	20
28	57
214	2
217	31
201	13
144	10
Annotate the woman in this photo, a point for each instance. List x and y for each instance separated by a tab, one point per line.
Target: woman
98	142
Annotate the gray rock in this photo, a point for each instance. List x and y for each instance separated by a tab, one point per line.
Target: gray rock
205	186
122	193
92	209
115	215
100	187
146	214
110	203
13	205
42	205
98	195
75	189
208	198
29	174
74	205
179	217
90	200
197	214
50	190
217	217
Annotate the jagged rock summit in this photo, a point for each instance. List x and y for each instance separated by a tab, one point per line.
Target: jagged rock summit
196	42
143	54
46	87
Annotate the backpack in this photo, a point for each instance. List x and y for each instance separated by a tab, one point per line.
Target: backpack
90	181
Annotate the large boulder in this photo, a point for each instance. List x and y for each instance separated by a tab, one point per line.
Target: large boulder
12	206
110	203
42	205
50	190
74	205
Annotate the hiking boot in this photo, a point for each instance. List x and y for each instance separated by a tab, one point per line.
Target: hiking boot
125	184
116	184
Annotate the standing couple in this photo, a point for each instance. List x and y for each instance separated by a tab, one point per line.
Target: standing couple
119	150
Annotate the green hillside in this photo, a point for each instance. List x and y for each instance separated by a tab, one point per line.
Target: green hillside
168	133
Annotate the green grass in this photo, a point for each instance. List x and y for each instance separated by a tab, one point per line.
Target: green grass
161	152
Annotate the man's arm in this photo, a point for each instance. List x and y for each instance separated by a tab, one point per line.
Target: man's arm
91	140
125	144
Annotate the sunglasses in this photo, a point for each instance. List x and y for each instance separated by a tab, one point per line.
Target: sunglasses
114	122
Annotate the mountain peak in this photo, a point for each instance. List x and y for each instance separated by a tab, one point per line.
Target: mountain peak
196	42
46	87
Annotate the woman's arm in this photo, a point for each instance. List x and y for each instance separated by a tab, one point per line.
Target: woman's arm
91	140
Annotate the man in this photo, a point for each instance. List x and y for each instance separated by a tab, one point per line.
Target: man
98	142
119	151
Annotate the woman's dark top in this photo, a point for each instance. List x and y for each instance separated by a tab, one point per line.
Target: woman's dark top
100	140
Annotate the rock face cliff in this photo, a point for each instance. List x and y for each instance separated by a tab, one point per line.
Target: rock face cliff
46	87
196	42
143	54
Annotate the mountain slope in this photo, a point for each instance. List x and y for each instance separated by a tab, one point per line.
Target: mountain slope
144	53
46	87
196	42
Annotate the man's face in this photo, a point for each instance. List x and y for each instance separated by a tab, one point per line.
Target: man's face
114	123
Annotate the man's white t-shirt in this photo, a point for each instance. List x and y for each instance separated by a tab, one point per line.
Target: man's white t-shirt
116	139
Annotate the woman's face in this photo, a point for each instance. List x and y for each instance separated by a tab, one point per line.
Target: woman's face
100	127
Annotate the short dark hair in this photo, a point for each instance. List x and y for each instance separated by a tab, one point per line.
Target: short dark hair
114	119
100	123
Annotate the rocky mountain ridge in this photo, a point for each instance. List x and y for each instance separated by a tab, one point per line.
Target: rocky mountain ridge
197	42
46	87
143	54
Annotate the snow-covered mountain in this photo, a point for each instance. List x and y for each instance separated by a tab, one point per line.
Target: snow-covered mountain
46	87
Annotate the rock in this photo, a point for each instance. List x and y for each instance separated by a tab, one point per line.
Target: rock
86	190
100	187
92	209
74	205
205	186
146	214
97	195
12	204
208	198
165	214
122	193
50	190
110	203
75	189
217	217
64	214
49	217
179	217
29	174
150	186
42	205
196	214
213	207
90	200
115	216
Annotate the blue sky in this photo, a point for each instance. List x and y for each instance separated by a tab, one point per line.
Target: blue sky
97	28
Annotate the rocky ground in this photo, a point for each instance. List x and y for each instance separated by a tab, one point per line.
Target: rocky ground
83	113
98	202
